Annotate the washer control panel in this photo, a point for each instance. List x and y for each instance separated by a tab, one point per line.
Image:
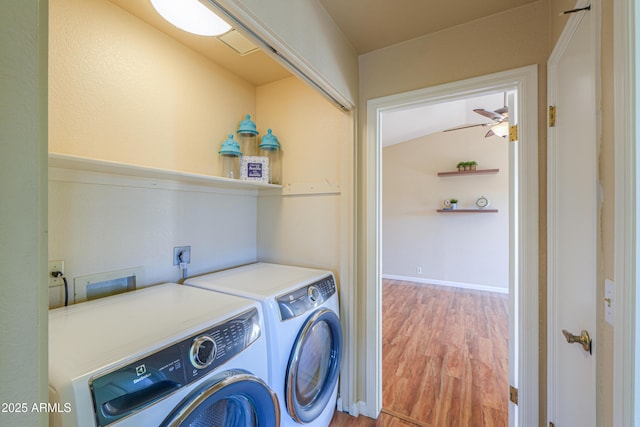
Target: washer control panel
120	392
203	351
306	298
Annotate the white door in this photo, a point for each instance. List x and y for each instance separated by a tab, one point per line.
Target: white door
573	221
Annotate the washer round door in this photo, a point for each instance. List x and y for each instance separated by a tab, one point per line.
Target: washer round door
231	399
314	366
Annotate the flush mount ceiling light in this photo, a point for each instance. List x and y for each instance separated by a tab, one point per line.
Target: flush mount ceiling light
191	16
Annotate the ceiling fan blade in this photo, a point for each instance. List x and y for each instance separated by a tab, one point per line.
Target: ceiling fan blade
490	133
504	111
489	114
467	127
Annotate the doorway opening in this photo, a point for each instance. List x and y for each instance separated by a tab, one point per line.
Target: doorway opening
523	241
445	270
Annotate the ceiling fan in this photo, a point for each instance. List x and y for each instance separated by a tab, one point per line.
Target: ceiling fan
498	126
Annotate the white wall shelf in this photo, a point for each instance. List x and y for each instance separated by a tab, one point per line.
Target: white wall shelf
65	161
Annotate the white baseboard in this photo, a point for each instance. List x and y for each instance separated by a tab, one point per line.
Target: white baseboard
473	286
357	409
360	408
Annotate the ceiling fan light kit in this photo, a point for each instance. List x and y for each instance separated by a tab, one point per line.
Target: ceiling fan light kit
501	130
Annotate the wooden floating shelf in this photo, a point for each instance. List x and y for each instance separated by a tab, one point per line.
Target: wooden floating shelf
475	172
467	210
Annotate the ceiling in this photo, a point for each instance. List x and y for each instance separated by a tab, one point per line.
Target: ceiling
405	125
257	68
368	25
375	24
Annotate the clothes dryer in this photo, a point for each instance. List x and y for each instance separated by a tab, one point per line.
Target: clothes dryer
167	355
305	336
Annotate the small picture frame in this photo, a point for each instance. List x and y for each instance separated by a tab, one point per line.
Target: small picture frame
254	168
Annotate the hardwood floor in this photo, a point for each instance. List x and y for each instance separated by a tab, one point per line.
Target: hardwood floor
445	358
340	419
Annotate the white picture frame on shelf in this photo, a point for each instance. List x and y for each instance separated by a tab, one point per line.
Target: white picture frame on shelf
254	168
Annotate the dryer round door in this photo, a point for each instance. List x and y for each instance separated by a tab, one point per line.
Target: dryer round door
314	365
232	399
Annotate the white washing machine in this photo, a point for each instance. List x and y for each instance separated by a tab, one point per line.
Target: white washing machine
305	337
167	355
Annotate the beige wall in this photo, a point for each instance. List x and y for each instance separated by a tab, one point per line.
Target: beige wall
23	212
526	39
557	19
302	225
123	91
459	53
142	98
310	130
527	36
462	249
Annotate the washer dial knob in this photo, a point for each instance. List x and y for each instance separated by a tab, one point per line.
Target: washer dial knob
202	352
313	293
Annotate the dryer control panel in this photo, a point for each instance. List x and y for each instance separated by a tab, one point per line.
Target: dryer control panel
306	298
127	389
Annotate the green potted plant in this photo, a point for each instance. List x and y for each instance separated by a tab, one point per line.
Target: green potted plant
460	166
472	165
454	203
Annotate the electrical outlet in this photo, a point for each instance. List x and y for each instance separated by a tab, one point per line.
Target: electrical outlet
55	266
181	254
418	270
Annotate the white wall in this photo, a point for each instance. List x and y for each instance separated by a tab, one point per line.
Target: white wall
461	249
100	223
23	211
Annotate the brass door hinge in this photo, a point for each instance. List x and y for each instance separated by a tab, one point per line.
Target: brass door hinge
551	424
513	394
513	133
552	116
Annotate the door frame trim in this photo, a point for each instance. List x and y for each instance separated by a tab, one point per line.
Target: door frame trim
625	369
526	266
